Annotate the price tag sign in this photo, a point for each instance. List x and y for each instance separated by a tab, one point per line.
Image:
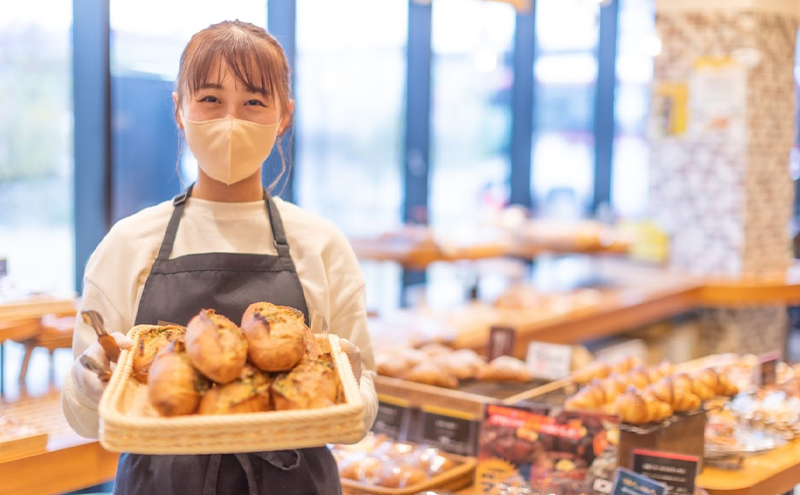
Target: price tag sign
393	418
451	431
549	361
677	471
768	368
501	342
629	483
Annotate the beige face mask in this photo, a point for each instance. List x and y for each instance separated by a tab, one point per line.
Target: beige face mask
229	150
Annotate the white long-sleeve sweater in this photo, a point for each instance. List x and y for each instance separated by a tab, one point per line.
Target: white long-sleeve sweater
116	272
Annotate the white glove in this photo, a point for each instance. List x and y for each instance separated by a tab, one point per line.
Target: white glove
354	355
87	383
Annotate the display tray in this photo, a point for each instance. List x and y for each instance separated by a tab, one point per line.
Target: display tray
460	476
128	423
469	397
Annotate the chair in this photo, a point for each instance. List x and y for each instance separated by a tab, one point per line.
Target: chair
54	333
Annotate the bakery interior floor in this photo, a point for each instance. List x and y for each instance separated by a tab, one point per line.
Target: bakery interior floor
43	379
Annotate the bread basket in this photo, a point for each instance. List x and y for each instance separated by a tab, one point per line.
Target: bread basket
128	423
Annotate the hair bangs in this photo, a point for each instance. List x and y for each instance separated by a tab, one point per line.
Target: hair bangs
251	61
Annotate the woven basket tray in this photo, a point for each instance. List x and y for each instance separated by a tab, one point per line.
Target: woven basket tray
128	423
461	476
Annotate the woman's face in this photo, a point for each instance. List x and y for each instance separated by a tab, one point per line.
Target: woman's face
228	98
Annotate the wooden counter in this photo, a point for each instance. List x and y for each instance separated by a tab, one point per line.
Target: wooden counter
774	473
69	461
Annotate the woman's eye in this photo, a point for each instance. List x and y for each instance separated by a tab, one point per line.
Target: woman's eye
255	102
210	99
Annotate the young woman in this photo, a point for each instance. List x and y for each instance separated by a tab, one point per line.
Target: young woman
224	244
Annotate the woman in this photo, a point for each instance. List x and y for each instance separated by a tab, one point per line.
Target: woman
223	244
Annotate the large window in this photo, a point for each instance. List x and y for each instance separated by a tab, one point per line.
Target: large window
472	75
565	73
145	53
349	92
36	165
637	45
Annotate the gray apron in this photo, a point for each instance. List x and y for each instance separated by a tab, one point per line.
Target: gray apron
176	290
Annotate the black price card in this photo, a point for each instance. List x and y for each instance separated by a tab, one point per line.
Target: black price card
451	431
630	483
393	417
501	342
677	471
768	368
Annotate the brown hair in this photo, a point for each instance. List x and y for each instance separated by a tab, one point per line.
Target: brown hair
254	57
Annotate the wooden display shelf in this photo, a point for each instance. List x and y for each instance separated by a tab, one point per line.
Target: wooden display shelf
418	255
776	290
69	462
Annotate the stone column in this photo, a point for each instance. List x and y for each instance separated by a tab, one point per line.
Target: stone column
722	124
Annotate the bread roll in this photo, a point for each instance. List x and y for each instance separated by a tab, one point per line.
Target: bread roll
151	342
174	387
275	336
639	408
430	373
312	384
216	346
248	393
401	476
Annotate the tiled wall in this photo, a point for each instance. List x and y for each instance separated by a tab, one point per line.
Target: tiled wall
725	197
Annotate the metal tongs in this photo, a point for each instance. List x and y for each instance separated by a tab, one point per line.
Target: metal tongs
107	342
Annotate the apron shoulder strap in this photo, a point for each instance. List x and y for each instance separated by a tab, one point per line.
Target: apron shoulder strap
278	232
179	203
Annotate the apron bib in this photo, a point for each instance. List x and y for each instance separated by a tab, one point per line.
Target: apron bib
176	290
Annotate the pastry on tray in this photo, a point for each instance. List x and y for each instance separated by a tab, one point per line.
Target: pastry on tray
173	385
677	392
506	369
275	336
638	408
216	346
430	373
464	364
248	393
151	342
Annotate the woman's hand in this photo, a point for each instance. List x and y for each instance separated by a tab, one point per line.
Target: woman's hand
354	355
87	382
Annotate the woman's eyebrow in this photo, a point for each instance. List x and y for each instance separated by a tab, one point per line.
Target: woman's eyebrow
210	86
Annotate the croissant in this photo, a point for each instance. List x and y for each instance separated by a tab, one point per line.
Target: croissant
613	386
591	372
677	392
639	408
638	377
627	364
656	373
592	397
717	382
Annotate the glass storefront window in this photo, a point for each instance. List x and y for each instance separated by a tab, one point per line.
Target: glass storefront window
36	164
565	73
472	76
637	45
471	82
350	97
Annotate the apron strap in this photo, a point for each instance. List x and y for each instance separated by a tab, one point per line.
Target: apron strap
276	224
278	233
172	228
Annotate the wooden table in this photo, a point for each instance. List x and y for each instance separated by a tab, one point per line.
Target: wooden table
69	462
